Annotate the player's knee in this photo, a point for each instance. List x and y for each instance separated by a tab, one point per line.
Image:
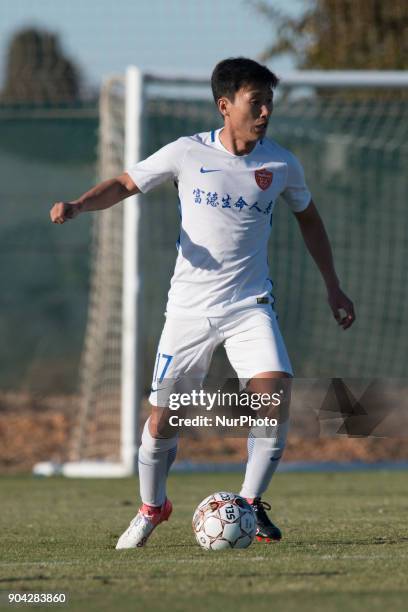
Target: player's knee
270	382
159	424
153	442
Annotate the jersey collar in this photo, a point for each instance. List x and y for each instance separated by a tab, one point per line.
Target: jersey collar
215	138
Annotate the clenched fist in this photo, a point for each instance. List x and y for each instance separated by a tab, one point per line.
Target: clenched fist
64	211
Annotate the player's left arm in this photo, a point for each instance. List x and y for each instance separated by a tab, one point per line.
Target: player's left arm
318	244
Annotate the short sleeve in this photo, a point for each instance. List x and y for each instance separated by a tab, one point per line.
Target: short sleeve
296	193
163	165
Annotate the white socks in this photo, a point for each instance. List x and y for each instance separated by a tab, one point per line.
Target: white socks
263	459
156	456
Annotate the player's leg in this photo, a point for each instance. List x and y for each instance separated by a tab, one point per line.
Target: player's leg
183	358
257	352
266	445
156	455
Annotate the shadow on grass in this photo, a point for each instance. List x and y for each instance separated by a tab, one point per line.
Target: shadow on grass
373	542
18	578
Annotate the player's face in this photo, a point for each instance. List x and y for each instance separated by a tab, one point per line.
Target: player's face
250	111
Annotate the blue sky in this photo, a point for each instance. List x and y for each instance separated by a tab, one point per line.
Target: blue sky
104	36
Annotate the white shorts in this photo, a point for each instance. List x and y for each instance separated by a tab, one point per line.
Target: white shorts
251	338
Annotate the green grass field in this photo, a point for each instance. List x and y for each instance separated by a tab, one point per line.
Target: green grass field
345	546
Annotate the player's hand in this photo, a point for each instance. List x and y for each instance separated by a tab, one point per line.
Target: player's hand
342	307
64	211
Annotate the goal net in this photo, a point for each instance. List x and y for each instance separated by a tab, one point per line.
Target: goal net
350	132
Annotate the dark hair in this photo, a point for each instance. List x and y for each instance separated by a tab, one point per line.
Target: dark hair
231	74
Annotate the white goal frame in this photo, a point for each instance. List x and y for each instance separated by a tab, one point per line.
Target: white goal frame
131	385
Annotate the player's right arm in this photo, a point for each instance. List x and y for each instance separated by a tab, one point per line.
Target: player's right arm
145	175
102	196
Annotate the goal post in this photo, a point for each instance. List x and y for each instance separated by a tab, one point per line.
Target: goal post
353	147
131	319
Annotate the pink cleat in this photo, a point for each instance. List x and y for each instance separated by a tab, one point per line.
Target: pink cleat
141	527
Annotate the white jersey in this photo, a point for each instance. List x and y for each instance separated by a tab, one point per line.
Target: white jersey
226	205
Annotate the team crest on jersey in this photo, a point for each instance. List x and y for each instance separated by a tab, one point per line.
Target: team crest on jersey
263	178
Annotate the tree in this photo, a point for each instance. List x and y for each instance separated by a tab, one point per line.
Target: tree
342	34
38	71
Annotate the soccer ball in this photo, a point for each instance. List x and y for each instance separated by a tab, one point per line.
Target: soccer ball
224	520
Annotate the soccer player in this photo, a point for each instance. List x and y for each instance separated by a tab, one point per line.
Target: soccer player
228	181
